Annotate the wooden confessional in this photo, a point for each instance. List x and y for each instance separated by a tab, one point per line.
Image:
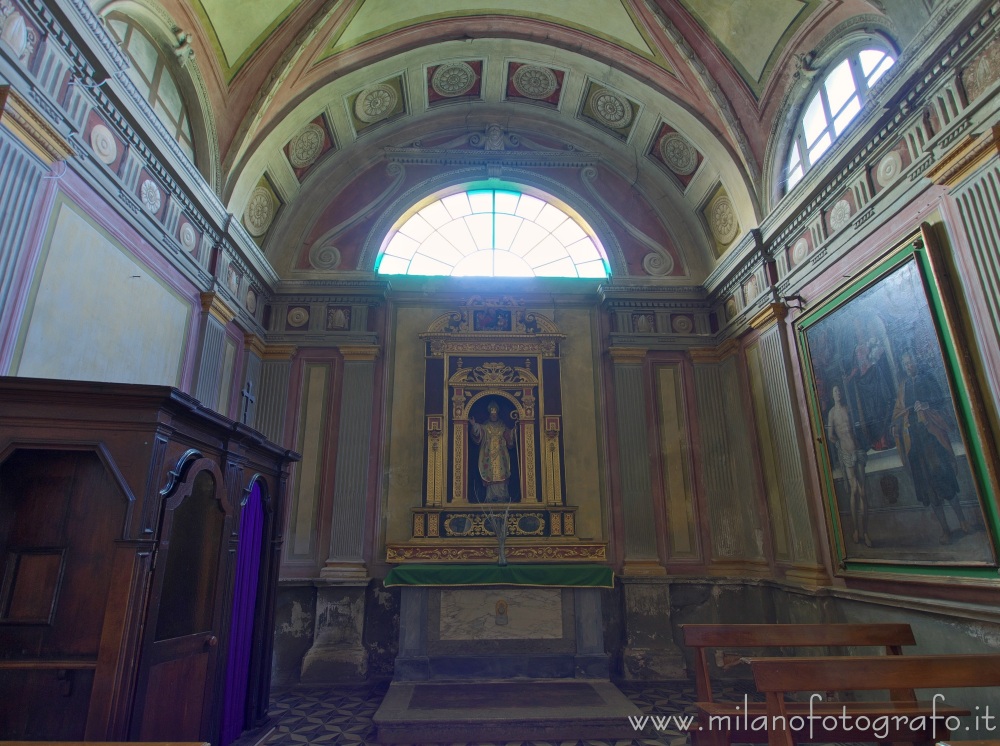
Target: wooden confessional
139	545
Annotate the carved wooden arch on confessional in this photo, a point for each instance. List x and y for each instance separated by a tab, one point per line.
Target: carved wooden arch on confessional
177	688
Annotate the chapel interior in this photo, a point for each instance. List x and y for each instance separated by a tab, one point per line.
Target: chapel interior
347	341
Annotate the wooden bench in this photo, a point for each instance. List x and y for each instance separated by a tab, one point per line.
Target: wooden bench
703	637
904	720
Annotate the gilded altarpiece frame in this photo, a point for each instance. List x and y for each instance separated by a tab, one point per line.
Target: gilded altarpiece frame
493	361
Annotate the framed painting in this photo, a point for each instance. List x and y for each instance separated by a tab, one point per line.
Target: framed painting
907	465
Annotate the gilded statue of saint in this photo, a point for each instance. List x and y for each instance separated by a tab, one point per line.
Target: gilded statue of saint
495	440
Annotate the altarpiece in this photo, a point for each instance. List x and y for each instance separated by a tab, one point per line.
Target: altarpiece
493	446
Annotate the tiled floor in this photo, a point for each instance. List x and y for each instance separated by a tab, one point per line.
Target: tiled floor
343	715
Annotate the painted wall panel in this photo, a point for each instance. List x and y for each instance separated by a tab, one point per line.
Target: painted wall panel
96	313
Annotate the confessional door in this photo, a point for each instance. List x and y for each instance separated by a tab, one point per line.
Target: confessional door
178	689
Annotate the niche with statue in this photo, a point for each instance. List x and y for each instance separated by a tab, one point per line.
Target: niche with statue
494	482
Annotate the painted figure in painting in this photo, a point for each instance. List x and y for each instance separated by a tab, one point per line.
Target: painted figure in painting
495	440
920	428
841	431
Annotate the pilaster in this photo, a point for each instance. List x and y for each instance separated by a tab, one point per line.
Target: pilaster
351	487
636	493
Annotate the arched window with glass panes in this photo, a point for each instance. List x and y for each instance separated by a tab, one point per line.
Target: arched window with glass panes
150	72
493	233
832	105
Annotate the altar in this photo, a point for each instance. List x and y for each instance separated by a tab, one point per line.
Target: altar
517	650
485	621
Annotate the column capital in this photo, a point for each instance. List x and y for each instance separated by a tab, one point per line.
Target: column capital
31	128
255	344
965	158
627	355
769	316
213	305
708	355
277	353
359	353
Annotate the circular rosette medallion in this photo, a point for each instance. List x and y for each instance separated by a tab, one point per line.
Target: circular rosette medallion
611	109
259	213
722	221
679	155
375	103
305	147
151	197
840	215
453	79
534	81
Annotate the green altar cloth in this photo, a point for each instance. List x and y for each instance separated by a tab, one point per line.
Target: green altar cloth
551	576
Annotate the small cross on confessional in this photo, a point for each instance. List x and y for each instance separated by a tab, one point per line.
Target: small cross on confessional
248	401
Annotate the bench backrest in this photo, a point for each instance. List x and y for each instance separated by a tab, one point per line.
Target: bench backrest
777	676
701	636
835	673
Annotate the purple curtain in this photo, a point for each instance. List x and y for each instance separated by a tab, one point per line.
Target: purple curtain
244	605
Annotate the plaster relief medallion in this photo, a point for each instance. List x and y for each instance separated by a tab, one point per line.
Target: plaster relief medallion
800	250
889	169
232	280
643	323
682	324
298	317
534	81
453	79
251	301
840	215
679	154
305	147
103	143
259	213
189	237
375	103
324	256
731	309
722	221
611	109
338	318
16	33
150	195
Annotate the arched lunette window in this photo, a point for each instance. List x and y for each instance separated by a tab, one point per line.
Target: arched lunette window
492	233
150	71
833	104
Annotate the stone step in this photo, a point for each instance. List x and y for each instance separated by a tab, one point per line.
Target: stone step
528	709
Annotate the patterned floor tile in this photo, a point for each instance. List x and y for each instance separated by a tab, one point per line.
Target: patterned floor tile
337	716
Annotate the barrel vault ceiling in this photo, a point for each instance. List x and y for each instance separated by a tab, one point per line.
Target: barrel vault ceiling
702	81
